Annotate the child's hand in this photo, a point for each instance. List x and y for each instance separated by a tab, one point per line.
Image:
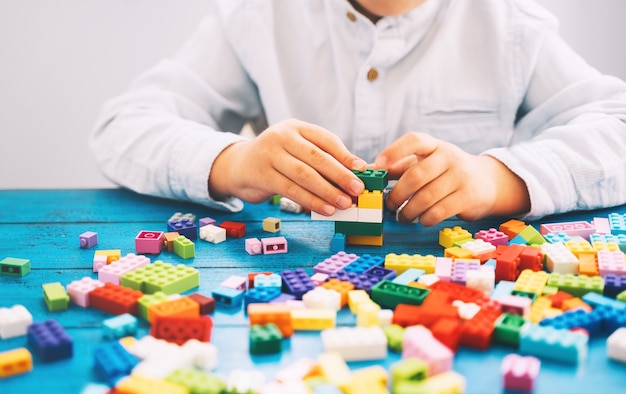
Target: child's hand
298	160
441	180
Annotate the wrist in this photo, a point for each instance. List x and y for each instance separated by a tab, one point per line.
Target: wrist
219	179
511	193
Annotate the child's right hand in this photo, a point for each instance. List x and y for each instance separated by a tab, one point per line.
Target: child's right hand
301	161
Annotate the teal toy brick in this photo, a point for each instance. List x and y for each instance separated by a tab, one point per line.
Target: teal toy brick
373	179
554	344
196	381
595	300
265	339
12	266
261	295
577	285
119	326
55	296
227	297
388	294
358	228
617	222
184	247
160	276
508	327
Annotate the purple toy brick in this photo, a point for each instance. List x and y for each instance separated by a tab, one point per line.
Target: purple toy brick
335	262
613	285
184	227
206	221
88	239
380	272
460	268
360	281
296	282
50	341
519	373
149	242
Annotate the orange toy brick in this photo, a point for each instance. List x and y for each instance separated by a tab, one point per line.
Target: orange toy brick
575	303
588	264
180	307
180	329
15	362
512	228
279	314
341	287
169	239
115	299
234	229
508	262
406	315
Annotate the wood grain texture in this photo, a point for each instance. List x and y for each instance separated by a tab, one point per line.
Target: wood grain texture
44	225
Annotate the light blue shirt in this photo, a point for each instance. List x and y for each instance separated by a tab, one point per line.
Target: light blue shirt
491	76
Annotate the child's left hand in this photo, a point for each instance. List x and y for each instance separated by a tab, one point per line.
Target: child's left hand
441	180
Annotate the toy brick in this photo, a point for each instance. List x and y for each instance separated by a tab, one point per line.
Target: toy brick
274	245
554	238
515	304
197	381
350	214
448	332
180	329
14	321
114	299
265	339
287	205
371	380
55	296
168	240
368	314
79	290
313	319
492	236
368	240
137	384
334	369
419	342
227	297
411	371
357	281
507	329
234	229
482	279
610	246
363	263
614	285
410	275
113	272
373	179
370	199
253	246
253	275
184	247
278	314
261	295
359	228
112	361
275	199
478	331
460	269
149	242
271	280
338	242
576	285
479	248
205	303
356	343
532	236
335	262
369	215
88	239
456	252
616	345
179	307
559	259
519	373
553	344
403	262
575	303
512	228
235	282
508	262
119	326
448	236
611	263
15	362
50	341
531	258
580	228
12	266
590	321
531	281
445	382
271	225
111	254
388	294
144	303
180	216
99	261
322	298
163	277
296	282
206	221
380	272
458	292
341	287
184	227
617	223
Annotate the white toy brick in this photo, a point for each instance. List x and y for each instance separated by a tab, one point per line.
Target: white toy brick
203	355
288	205
322	298
385	317
235	282
341	215
616	345
478	247
481	279
356	343
180	216
240	381
14	321
213	234
370	215
297	370
559	259
428	279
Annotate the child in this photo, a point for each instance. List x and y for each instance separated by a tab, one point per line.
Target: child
477	107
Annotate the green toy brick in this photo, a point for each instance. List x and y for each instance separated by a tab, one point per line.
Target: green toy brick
55	296
12	266
577	285
549	290
388	294
532	236
373	179
358	228
527	294
408	370
197	382
395	336
621	296
275	199
163	277
150	299
184	247
265	339
507	328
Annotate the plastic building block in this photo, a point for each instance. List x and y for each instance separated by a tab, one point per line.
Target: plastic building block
338	242
408	372
112	361
227	297
559	259
149	242
12	266
274	245
356	343
460	269
601	225
313	319
180	329
368	314
78	290
138	384
160	276
363	263
519	373
388	294
180	216
372	380
554	238
197	382
512	228
253	246
515	304
493	236
278	314
322	298
15	362
531	236
145	302
334	369
611	263
479	248
576	285
235	282
410	275
99	261
296	282
265	339
184	247
617	223
206	221
458	292
271	225
553	344
112	273
261	295
395	335
578	318
403	262
119	326
184	227
88	239
508	327
359	228
110	254
580	228
114	299
168	240
531	258
419	342
234	229
578	247
369	215
50	341
55	296
205	303
287	205
339	286
531	281
271	280
357	281
369	240
350	214
373	179
275	199
448	236
335	262
482	279
178	307
356	297
616	345
14	321
370	199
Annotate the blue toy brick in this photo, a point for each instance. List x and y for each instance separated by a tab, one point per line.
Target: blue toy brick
363	263
338	243
380	272
553	344
112	361
227	297
296	282
272	280
408	276
554	238
613	318
617	222
518	240
578	318
613	285
595	300
50	341
119	326
184	227
360	281
259	295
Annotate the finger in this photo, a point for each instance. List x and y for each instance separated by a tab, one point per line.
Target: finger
401	166
418	144
427	203
286	187
442	210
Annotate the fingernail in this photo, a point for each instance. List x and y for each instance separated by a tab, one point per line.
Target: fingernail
356	186
357	164
328	209
343	202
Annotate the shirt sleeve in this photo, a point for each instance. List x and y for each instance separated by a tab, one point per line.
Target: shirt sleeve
162	136
569	144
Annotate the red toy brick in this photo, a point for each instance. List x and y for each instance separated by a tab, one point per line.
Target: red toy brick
406	315
234	229
179	330
448	332
531	258
558	298
508	262
206	304
115	299
458	292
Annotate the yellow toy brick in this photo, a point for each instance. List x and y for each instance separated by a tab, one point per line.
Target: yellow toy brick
542	308
135	384
578	247
531	281
448	236
334	368
356	297
367	314
371	380
370	199
448	382
111	255
313	319
15	362
610	246
403	262
370	240
456	253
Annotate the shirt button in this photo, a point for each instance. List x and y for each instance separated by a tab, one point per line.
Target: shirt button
372	74
351	16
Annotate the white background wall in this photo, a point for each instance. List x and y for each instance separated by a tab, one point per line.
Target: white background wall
61	59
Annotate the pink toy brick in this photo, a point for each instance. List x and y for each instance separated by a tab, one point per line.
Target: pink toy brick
274	245
14	321
253	246
519	373
516	305
99	261
88	239
335	262
443	268
79	290
581	228
112	273
611	263
149	242
236	282
318	278
602	226
493	236
419	342
206	221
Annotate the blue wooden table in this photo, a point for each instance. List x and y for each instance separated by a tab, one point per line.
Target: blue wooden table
43	226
